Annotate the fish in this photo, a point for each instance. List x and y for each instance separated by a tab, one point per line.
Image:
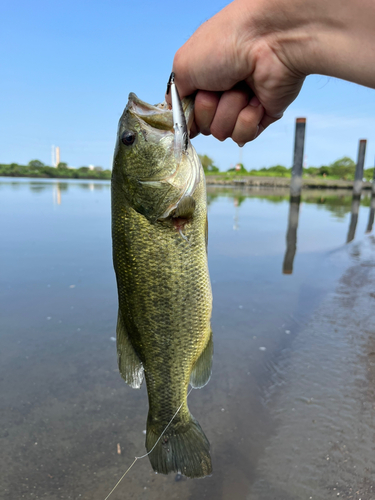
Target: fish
159	233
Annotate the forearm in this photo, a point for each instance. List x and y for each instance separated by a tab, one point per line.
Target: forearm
329	37
349	51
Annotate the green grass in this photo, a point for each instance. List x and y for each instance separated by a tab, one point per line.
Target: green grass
15	170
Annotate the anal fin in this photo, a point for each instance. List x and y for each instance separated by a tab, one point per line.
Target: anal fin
203	367
129	364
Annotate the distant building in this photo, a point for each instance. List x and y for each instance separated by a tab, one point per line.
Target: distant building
97	169
55	156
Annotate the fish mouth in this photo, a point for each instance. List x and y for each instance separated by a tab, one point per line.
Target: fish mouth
159	116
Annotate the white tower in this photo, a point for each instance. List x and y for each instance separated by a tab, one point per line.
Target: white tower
57	156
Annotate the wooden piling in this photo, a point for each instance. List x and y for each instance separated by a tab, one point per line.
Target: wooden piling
357	186
372	206
299	146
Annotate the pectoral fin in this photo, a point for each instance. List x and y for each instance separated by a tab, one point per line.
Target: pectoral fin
153	184
202	369
129	364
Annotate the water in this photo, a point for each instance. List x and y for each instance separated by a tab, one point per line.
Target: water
289	409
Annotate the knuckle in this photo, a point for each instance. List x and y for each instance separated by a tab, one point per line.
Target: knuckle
219	133
206	101
243	134
238	98
248	121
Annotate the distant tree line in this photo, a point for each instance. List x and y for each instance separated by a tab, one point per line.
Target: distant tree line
36	168
208	164
343	168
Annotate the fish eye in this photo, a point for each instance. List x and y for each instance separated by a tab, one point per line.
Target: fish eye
128	138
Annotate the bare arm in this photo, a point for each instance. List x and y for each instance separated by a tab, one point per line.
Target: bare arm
249	61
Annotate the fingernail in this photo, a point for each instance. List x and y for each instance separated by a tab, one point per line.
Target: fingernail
254	101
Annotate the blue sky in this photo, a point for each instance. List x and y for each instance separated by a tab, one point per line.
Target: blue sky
67	68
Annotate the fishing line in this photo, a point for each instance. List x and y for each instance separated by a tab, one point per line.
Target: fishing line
152	449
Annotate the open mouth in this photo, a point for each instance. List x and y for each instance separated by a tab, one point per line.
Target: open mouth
159	116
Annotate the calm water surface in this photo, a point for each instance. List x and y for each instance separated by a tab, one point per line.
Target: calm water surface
289	410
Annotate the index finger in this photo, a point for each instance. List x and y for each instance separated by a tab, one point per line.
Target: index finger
212	59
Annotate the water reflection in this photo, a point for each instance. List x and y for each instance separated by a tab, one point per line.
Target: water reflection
64	403
57	190
37	188
91	186
356	201
42	184
291	235
84	185
238	200
337	202
56	195
371	215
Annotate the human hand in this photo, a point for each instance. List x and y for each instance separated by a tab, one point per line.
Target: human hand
248	63
242	84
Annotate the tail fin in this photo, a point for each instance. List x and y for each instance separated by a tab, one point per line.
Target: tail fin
183	448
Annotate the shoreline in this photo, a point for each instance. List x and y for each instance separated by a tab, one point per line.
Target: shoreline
272	182
240	181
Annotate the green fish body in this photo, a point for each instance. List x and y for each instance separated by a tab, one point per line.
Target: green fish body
159	230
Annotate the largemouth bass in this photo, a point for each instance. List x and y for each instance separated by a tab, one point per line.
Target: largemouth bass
159	229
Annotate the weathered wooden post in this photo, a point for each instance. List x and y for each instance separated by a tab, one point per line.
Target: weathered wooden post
372	206
291	236
299	145
357	186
